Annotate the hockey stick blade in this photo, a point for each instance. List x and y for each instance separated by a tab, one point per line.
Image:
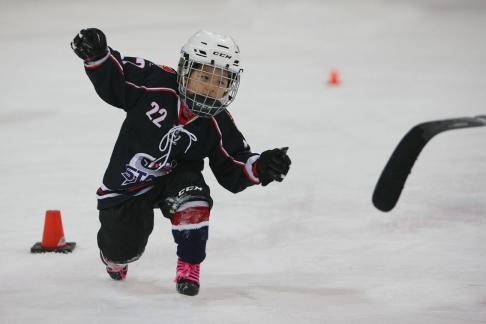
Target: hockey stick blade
392	179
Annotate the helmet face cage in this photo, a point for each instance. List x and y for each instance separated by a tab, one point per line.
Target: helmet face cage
202	79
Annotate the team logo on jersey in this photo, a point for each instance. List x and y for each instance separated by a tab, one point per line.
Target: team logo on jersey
142	167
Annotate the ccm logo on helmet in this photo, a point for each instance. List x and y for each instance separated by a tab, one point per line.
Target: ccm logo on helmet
222	55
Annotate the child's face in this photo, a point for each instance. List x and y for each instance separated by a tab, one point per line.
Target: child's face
208	81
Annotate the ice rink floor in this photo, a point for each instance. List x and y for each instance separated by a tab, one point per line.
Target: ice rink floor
312	249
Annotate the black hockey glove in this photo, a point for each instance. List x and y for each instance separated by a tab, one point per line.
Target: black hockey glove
90	44
273	165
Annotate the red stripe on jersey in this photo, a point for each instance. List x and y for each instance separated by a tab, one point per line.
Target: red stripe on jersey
101	192
249	176
167	69
215	123
143	185
169	90
120	67
103	60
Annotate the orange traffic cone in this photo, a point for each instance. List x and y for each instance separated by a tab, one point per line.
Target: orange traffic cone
53	236
334	78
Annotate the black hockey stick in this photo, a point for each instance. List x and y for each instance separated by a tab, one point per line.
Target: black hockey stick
392	179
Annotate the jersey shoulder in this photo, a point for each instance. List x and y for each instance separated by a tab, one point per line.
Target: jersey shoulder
226	118
150	74
163	76
227	124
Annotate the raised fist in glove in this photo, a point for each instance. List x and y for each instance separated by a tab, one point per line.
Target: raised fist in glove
272	165
90	44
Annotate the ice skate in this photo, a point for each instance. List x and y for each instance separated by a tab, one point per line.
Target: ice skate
187	278
115	271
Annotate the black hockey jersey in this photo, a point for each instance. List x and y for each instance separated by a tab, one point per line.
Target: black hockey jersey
155	118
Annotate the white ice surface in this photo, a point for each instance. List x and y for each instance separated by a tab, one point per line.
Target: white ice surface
310	250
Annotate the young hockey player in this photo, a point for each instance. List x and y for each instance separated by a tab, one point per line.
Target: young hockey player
173	121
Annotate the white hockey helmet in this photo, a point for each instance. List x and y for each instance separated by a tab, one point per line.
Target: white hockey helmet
221	54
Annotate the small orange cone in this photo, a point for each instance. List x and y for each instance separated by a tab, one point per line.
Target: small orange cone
53	236
334	79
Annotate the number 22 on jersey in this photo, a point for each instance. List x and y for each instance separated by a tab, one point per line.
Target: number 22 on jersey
156	114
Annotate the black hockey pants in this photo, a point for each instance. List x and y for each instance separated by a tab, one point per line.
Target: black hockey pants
182	196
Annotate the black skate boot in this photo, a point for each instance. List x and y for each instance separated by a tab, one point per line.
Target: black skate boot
115	271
